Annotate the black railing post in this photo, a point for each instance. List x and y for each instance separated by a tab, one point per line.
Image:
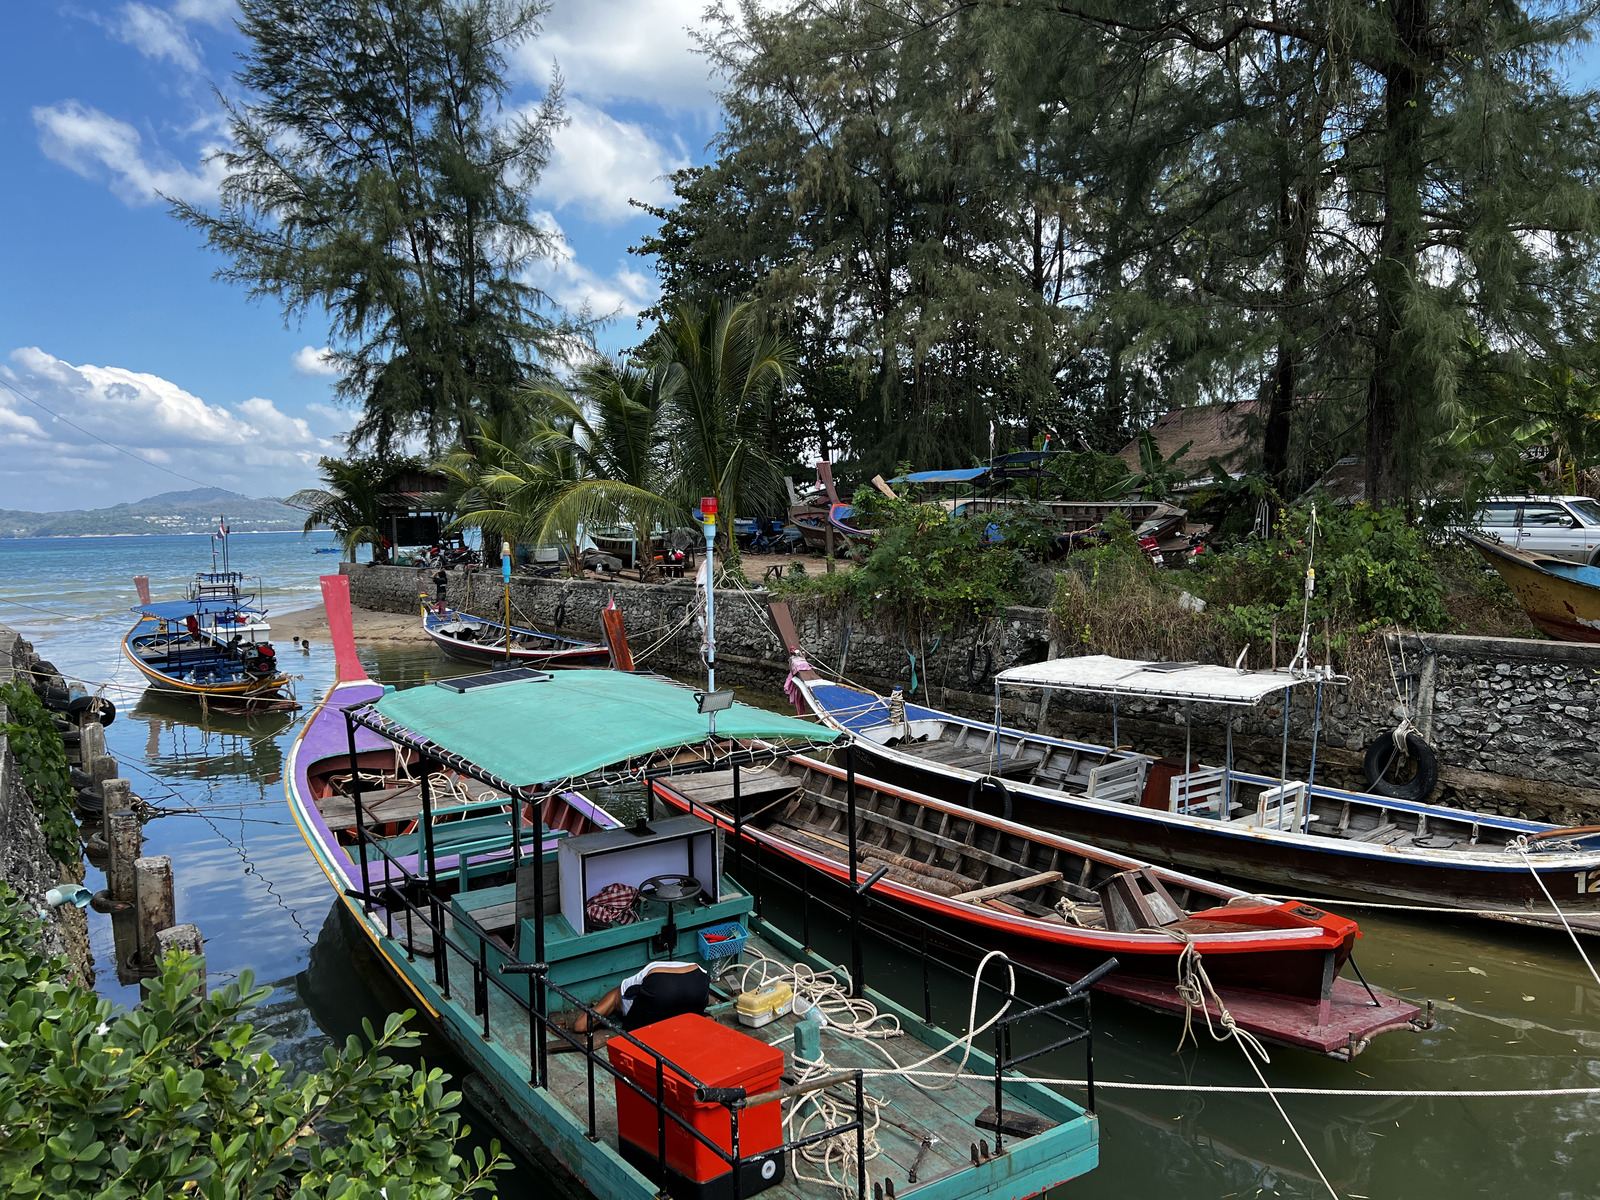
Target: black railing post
588	1055
857	967
861	1140
441	975
927	990
427	822
361	829
541	1006
999	1091
1088	1046
733	1143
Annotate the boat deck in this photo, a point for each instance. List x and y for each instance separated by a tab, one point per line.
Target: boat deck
933	1133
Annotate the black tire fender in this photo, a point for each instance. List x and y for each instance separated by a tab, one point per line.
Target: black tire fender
1381	753
103	708
985	783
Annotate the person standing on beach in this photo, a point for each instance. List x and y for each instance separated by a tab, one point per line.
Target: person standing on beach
441	582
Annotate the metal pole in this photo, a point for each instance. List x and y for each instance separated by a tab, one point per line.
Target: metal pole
1316	729
708	510
505	574
997	726
856	965
427	824
738	821
361	831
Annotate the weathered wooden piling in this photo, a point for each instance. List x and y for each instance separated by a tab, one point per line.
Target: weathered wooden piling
124	842
187	938
154	902
91	743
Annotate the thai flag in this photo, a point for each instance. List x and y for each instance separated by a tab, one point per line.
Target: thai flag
222	529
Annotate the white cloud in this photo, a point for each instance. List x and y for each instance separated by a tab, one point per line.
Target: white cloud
598	163
579	288
95	145
625	50
253	447
157	35
308	360
212	12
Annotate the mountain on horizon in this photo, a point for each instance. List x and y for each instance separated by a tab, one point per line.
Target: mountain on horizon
192	511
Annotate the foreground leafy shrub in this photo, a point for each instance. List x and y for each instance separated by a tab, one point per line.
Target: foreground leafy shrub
42	758
180	1097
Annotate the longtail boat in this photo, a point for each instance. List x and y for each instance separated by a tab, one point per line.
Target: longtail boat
214	645
1562	598
482	640
1297	835
485	912
1058	904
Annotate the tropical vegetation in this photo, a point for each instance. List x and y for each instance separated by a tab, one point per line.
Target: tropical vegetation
182	1097
351	500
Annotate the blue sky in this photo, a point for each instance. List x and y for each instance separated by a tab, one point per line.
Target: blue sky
108	312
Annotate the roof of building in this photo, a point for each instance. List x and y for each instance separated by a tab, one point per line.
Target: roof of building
1220	431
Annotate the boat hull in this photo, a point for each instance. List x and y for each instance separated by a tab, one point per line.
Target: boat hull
265	692
1495	883
564	652
1564	608
1281	985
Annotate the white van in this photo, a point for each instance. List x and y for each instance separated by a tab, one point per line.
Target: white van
1560	526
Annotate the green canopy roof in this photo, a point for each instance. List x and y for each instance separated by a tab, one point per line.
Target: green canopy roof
575	723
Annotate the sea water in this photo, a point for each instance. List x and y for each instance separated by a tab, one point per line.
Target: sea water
1516	1008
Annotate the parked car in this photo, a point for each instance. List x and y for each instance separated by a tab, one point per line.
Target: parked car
1561	526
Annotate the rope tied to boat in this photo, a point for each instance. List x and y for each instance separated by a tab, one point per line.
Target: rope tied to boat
791	688
1195	989
1519	845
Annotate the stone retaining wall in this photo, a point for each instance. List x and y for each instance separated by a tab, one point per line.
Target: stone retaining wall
1512	720
25	862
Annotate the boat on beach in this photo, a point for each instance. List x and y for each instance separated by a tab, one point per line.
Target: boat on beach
482	640
465	851
214	645
1060	905
1297	835
1562	598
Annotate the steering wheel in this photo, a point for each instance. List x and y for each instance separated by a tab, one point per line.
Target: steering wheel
671	889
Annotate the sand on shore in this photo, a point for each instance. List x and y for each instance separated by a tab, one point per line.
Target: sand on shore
397	629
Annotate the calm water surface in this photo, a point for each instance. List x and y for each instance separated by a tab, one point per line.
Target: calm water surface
1516	1008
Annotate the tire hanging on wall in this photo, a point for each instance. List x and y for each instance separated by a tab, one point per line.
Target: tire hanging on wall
1380	755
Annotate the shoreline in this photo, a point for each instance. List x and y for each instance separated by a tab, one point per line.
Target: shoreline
371	627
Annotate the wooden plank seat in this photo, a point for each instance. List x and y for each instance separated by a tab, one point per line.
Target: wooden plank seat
482	829
716	787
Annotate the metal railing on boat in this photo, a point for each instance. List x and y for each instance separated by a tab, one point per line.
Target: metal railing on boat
399	881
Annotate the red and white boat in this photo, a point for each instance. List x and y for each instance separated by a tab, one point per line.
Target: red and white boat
1057	904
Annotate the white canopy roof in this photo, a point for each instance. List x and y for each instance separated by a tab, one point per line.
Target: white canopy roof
1104	675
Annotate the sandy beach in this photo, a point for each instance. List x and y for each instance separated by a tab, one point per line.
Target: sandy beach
395	629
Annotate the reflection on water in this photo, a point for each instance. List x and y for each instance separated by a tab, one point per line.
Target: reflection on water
1515	1007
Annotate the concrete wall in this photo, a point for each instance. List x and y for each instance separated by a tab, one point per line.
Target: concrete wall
25	861
1511	719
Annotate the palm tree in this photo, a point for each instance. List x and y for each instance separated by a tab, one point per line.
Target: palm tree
610	424
719	373
352	502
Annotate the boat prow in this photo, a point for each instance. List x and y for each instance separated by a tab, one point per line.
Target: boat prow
1560	597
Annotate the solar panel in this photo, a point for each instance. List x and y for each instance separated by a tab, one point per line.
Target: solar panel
492	679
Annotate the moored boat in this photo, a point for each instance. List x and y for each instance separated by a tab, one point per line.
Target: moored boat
1562	598
1055	903
214	645
495	932
1296	835
482	640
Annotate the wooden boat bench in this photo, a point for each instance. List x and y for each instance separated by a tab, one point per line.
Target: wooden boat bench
1119	779
484	828
1200	793
1281	807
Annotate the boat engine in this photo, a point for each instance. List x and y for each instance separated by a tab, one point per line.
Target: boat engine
260	660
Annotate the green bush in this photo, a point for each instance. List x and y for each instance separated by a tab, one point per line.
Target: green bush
42	757
179	1097
1374	567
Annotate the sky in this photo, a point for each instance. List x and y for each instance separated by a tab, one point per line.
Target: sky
109	315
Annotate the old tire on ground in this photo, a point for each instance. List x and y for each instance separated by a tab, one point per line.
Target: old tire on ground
1380	756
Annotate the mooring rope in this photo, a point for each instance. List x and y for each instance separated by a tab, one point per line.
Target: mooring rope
1520	845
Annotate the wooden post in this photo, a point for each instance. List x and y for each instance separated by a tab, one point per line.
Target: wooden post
103	770
91	742
187	938
124	842
153	899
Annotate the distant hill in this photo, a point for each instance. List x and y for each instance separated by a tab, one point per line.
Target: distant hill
194	511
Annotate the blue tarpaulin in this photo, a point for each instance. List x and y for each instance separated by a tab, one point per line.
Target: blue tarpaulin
965	476
177	610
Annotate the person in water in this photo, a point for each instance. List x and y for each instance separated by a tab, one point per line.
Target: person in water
661	990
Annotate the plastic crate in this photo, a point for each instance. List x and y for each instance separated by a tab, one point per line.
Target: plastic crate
733	935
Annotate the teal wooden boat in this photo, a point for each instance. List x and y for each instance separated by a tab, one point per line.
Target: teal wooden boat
420	806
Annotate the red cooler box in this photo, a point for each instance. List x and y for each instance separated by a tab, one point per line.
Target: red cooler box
718	1057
